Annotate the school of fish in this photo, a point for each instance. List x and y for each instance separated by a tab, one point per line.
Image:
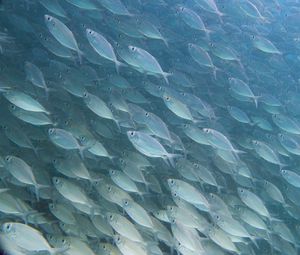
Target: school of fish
150	127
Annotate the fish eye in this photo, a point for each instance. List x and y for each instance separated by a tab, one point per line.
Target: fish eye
13	107
85	94
51	206
7	158
51	130
283	171
147	114
132	133
253	36
168	98
56	180
242	191
217	217
48	18
111	217
8	227
132	48
66	104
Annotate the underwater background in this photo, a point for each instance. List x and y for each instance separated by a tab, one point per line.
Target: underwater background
152	127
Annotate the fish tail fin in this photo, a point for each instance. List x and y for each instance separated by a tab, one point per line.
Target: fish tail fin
118	65
253	240
37	188
166	42
165	76
48	90
215	69
171	158
265	20
80	55
239	151
220	16
282	165
81	151
273	219
26	214
255	99
112	159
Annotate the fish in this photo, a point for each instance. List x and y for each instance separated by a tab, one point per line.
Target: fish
124	227
137	213
147	62
65	140
149	146
116	7
24	101
100	44
27	238
20	170
188	192
62	34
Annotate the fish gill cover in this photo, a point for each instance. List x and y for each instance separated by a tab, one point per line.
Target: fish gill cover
151	127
